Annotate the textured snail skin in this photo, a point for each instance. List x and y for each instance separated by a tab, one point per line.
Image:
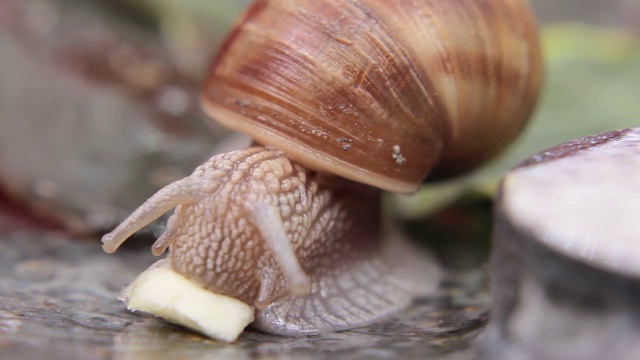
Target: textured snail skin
307	250
378	91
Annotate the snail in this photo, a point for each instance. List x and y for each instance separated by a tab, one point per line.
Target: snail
344	99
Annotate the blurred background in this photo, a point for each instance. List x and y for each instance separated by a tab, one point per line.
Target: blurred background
99	108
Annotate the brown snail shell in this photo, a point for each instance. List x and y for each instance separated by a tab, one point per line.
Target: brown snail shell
379	92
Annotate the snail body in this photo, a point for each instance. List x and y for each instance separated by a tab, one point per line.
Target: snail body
308	254
345	98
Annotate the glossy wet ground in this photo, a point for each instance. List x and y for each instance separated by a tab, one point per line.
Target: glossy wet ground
58	301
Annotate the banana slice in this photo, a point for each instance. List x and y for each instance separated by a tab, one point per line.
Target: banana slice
163	292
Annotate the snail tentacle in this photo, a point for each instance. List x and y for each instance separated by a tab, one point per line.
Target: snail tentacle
267	285
267	220
169	236
180	192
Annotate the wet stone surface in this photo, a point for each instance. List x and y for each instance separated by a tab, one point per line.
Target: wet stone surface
58	301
